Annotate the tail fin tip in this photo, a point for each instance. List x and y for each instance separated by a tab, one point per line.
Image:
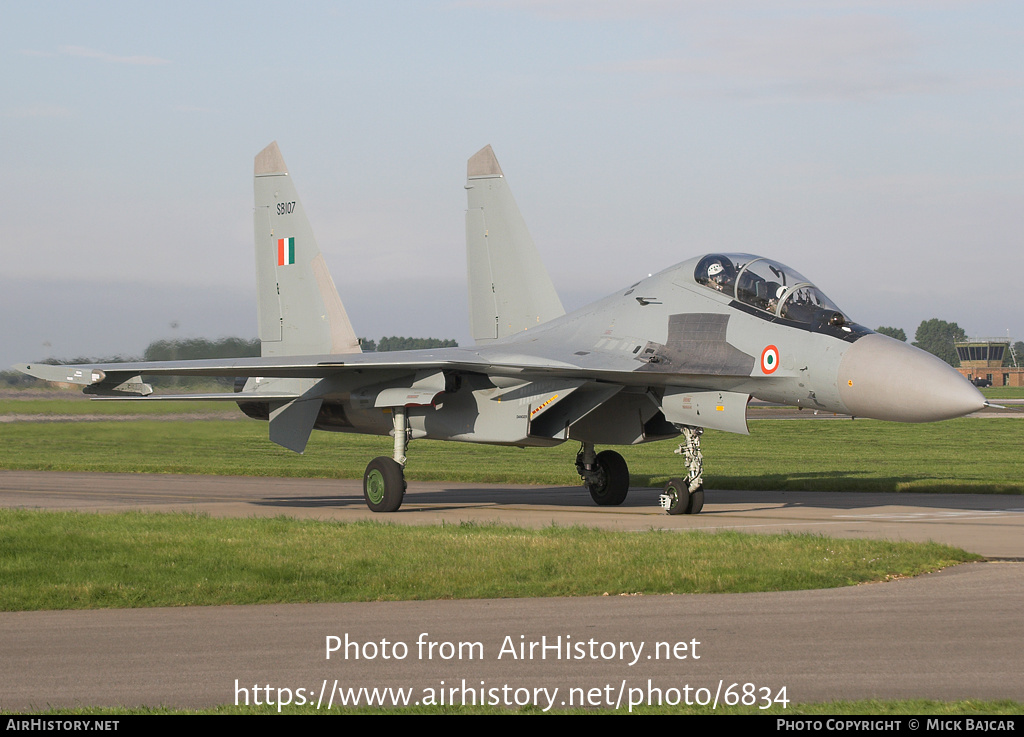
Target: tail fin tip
484	164
270	161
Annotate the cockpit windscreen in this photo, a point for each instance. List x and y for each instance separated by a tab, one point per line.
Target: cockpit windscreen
769	286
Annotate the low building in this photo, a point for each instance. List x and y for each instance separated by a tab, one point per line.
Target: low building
990	362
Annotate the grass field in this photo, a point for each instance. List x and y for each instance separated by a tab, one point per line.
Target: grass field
966	455
70	560
995	393
42	407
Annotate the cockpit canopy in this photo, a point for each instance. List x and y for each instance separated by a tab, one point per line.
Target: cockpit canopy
768	286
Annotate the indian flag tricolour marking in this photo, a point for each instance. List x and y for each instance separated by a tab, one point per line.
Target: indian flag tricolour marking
285	251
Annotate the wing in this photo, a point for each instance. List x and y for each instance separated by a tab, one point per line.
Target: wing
495	394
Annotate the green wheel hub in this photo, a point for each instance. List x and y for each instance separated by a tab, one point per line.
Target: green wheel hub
383	485
375	486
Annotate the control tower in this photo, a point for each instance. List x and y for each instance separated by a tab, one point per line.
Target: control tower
989	362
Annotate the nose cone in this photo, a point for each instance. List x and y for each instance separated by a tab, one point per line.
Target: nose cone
886	379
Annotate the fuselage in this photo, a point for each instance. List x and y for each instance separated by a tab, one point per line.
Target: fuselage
601	374
767	332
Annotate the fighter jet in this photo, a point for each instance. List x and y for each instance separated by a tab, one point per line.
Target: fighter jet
663	357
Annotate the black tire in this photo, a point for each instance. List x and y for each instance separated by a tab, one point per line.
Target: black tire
679	500
613	479
696	501
383	485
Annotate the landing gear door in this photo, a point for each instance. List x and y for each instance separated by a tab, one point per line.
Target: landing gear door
726	411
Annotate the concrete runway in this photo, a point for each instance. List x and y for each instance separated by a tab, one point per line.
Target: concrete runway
951	635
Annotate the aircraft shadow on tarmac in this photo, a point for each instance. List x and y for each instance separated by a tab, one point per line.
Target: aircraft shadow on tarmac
440	498
734	501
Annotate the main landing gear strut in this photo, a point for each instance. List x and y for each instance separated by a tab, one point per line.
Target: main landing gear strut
384	480
687	497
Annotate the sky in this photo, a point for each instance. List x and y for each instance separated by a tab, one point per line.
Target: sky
875	147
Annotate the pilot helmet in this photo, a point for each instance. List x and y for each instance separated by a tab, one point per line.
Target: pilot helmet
720	274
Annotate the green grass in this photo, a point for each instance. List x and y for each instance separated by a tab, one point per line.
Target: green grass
1003	392
75	560
64	407
965	455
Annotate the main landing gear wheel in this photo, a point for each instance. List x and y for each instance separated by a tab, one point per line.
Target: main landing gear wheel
610	484
675	499
383	485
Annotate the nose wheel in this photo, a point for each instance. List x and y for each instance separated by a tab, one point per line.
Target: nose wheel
687	497
678	499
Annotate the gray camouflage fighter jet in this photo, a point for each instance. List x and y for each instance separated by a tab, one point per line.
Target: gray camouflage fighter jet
664	357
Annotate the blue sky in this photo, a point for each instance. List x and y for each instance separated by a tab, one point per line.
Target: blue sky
874	147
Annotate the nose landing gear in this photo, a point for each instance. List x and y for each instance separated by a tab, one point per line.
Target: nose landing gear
687	497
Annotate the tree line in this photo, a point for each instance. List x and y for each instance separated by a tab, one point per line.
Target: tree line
396	343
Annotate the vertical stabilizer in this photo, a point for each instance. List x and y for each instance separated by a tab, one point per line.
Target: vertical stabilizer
509	288
298	307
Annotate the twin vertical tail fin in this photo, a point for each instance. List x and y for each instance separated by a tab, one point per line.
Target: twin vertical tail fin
509	288
299	310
